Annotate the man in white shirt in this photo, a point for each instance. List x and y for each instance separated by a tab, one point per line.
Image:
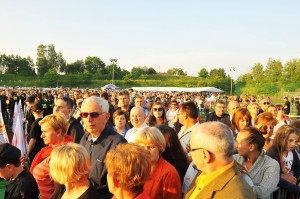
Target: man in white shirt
137	119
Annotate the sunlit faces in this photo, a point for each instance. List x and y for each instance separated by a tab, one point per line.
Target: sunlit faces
267	130
254	110
153	149
242	145
220	109
137	116
123	100
49	135
157	111
292	142
232	106
243	123
120	121
138	102
60	106
273	110
94	125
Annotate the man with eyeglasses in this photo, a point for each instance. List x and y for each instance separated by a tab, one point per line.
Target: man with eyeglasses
98	140
219	114
212	148
64	105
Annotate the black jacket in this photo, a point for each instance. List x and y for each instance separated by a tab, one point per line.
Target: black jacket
97	150
23	187
225	118
75	129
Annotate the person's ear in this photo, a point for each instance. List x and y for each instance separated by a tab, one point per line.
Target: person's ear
251	147
207	157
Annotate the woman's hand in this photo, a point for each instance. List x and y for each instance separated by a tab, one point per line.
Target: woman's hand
289	178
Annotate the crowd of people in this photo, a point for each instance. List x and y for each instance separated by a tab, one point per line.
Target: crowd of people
126	144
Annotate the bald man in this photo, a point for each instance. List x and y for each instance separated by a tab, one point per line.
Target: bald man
231	107
212	149
137	119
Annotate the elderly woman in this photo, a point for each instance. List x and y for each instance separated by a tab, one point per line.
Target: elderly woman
164	181
54	128
128	167
70	165
263	170
157	115
265	123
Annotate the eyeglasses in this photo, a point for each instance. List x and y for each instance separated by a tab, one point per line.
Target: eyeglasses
265	103
189	149
92	114
158	109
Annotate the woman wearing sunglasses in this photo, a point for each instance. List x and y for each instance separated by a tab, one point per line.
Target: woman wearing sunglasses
157	115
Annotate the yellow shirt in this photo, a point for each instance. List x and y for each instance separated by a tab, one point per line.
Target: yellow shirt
203	179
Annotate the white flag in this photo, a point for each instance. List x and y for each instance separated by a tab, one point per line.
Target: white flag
3	132
19	137
15	116
20	109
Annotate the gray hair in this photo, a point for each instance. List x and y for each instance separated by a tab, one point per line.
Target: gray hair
100	101
218	138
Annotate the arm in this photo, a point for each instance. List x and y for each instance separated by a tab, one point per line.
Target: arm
30	147
269	181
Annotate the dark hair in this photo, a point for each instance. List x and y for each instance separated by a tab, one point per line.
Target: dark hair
68	100
104	95
255	137
123	92
152	119
296	124
119	112
174	152
190	108
37	107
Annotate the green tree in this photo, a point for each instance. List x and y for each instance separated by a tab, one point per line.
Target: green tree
291	71
217	73
258	73
92	64
41	60
203	73
75	67
176	72
61	63
273	70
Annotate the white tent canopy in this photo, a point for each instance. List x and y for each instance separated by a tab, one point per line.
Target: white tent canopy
111	86
179	89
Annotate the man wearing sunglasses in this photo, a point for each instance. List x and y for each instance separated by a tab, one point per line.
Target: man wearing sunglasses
212	152
264	104
98	140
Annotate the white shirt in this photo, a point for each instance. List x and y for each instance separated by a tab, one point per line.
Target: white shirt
131	133
288	161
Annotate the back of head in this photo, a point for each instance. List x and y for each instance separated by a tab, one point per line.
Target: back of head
9	154
215	137
190	108
37	107
265	119
69	163
130	165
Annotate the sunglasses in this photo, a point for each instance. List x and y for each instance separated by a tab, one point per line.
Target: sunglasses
92	114
158	109
265	103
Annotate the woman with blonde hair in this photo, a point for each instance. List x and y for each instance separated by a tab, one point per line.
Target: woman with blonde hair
253	108
70	165
164	181
54	128
128	168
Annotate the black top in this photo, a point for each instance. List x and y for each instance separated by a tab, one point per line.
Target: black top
23	187
97	150
287	110
225	118
90	193
75	129
35	133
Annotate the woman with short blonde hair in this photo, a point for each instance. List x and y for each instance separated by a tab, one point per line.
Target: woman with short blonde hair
128	167
164	181
70	165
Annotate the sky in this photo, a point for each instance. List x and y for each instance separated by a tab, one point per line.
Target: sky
162	34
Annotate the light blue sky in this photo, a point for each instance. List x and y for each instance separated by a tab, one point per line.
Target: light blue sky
159	33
